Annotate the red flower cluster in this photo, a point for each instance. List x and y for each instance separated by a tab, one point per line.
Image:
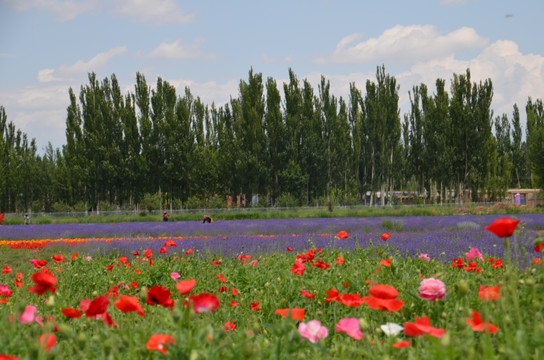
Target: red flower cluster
421	327
383	297
45	281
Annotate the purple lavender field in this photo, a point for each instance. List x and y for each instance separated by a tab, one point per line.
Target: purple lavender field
441	237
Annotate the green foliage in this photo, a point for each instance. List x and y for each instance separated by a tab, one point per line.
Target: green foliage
287	200
392	225
151	202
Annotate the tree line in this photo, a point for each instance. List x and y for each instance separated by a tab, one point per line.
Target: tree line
294	145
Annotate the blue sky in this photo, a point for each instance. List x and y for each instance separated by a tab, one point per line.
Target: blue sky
48	46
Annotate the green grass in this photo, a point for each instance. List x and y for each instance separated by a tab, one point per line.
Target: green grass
272	213
519	313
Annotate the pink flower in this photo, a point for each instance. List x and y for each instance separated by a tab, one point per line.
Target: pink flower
312	330
432	289
424	257
175	275
28	315
253	263
351	327
5	291
474	253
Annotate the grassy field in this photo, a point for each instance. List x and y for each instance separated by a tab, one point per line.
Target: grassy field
274	213
148	305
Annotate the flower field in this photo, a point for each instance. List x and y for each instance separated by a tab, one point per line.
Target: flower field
397	287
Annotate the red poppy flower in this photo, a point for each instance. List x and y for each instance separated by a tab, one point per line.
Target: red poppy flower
185	286
107	319
537	261
157	342
58	258
234	292
289	248
339	260
2	218
204	302
19	280
71	313
307	257
96	307
148	253
109	267
229	326
477	323
342	235
190	251
307	294
216	263
345	284
497	264
489	293
298	268
539	247
38	263
234	304
47	341
163	250
160	295
385	262
136	253
352	300
332	295
223	289
6	270
170	243
134	284
402	344
320	264
386	236
45	281
8	357
74	256
113	292
422	326
383	297
129	304
296	314
458	263
255	306
472	266
123	259
222	278
503	227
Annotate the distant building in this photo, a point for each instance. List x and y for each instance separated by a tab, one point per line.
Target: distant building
528	197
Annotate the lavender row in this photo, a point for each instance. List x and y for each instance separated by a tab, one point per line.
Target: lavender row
360	226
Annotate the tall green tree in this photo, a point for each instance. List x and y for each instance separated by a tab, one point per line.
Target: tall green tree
535	140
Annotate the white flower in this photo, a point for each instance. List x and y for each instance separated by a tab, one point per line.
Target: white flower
391	329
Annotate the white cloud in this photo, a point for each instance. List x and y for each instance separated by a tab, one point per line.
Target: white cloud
153	11
64	10
404	45
515	76
177	50
68	72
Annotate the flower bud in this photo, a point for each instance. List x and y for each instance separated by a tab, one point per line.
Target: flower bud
462	287
363	324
